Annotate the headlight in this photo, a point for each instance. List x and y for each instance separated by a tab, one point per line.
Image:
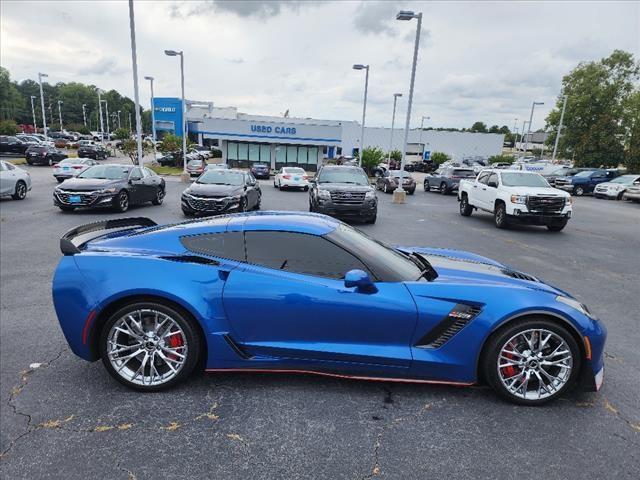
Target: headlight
234	198
518	199
107	190
581	307
370	195
324	194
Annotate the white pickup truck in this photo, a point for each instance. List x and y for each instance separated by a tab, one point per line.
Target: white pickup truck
515	196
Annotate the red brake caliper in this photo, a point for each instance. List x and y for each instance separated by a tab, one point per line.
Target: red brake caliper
175	341
509	370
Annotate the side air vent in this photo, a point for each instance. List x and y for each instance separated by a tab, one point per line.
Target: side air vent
519	275
455	321
191	259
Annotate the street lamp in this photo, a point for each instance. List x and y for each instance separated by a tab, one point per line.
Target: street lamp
33	112
399	195
555	146
136	96
106	106
533	106
119	126
84	114
515	132
44	116
364	108
185	176
153	114
60	102
423	118
100	113
393	122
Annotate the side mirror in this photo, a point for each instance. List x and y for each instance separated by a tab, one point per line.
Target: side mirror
360	280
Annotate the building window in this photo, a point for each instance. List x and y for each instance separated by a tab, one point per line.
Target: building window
292	155
254	152
232	151
243	151
265	154
313	155
303	157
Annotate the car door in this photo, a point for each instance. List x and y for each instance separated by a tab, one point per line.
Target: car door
138	192
253	190
289	303
7	180
480	190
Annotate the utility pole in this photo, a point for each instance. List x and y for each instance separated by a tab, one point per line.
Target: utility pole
33	112
393	122
559	132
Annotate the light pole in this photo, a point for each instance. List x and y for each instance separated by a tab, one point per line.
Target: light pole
533	106
129	121
364	108
399	195
420	138
84	114
136	96
559	132
33	112
119	126
106	106
60	102
44	115
515	132
185	176
100	113
393	122
153	114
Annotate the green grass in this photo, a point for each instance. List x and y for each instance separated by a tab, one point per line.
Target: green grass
160	170
17	161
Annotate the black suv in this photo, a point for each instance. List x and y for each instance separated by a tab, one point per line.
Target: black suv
44	155
96	152
11	144
343	191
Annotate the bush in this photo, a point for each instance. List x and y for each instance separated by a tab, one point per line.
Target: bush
438	158
121	134
130	148
371	158
396	155
8	127
501	159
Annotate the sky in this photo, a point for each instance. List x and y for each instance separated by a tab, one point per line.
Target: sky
478	61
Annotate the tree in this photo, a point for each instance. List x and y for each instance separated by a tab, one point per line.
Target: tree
501	159
478	127
121	134
631	123
12	104
396	155
170	144
494	129
595	124
8	127
438	158
371	158
130	148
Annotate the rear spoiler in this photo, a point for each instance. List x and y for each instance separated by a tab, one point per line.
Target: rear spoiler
70	241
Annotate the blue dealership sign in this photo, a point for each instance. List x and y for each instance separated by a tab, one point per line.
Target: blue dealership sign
167	112
426	155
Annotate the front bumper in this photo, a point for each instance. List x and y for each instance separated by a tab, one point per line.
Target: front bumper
367	209
263	175
209	205
87	199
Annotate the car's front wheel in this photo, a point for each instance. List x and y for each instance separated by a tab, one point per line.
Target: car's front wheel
149	346
531	362
159	198
500	216
121	202
21	191
578	191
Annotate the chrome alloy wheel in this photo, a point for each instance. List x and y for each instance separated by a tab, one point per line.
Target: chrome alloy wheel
534	364
147	347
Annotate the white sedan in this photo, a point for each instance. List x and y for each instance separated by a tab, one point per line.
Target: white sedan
14	181
615	188
291	177
71	167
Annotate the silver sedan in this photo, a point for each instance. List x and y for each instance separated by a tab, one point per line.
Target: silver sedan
71	167
14	181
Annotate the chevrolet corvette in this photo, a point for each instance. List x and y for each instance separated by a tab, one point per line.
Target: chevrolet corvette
303	292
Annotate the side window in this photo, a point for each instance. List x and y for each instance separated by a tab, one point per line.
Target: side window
483	177
224	245
299	253
8	166
136	174
493	178
2	167
149	172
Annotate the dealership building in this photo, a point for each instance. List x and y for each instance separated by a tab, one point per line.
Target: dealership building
306	142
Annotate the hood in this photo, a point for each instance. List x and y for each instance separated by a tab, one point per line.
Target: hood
344	187
459	267
550	191
82	184
209	190
617	186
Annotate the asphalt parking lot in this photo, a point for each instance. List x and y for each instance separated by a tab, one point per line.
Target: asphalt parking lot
62	417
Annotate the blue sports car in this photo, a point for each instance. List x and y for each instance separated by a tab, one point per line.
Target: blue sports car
302	292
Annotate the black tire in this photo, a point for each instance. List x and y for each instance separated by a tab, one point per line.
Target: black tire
243	205
185	322
29	162
257	207
427	187
311	207
187	213
500	216
372	220
121	202
578	191
20	191
274	183
497	341
159	196
411	192
465	209
60	180
306	189
443	188
558	226
65	208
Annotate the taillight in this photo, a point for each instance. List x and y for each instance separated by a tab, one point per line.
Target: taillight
286	177
305	177
77	167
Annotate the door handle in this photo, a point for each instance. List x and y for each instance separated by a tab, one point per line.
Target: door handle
483	188
475	186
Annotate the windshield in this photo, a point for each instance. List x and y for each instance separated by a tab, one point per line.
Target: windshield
343	175
388	264
109	172
625	179
221	177
68	161
463	173
194	163
560	171
585	173
298	171
517	179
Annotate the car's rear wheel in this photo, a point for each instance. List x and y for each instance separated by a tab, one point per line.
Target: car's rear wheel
149	346
121	202
465	209
427	187
531	362
21	191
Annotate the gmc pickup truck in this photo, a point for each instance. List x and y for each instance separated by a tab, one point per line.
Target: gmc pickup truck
515	196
